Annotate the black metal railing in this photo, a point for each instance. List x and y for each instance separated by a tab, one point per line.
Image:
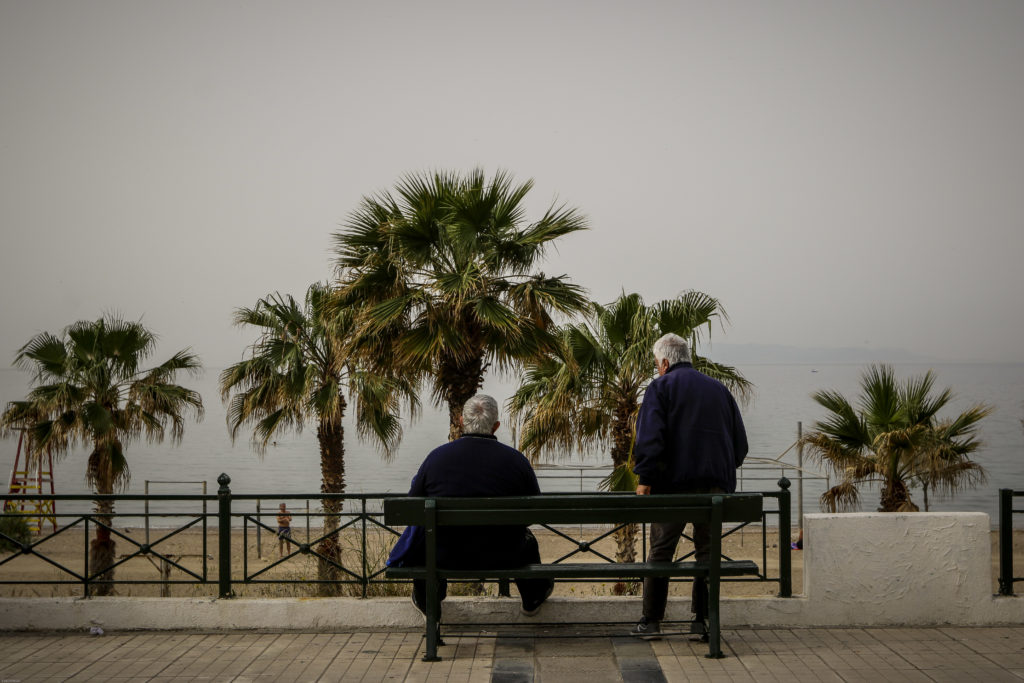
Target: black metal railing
1006	512
350	566
88	578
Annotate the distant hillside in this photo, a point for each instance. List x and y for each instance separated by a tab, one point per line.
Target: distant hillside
734	354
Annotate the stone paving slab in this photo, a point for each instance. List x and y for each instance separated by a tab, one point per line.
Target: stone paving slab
518	655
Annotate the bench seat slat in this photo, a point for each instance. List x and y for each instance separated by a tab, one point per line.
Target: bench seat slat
580	570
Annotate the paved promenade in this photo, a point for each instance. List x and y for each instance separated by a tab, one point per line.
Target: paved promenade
872	655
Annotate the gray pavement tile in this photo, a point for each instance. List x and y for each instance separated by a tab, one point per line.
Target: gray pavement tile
512	668
521	647
556	647
585	667
1007	660
643	675
501	676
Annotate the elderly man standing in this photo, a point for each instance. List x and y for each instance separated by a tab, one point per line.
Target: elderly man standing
477	464
689	439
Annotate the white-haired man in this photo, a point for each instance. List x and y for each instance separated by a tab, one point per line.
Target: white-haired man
689	439
477	464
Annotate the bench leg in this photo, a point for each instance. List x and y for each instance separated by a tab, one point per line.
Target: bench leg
433	623
714	622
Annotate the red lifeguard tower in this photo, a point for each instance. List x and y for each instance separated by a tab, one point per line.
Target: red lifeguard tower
32	475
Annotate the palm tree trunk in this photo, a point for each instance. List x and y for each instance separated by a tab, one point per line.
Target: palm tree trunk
103	547
330	435
459	381
895	496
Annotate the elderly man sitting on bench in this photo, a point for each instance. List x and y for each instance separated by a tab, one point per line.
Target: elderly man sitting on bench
477	464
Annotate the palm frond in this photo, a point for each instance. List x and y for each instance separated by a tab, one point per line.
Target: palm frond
45	355
881	405
621	479
842	497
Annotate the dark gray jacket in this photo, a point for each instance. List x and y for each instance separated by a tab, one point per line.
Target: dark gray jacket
689	434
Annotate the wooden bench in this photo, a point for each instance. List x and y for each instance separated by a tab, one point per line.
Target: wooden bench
713	509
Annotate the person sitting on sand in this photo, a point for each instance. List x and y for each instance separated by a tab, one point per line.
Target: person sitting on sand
284	528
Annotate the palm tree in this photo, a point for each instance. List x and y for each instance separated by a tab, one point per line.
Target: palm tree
298	369
445	267
89	388
587	394
895	436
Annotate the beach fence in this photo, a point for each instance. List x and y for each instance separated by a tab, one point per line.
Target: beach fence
1006	512
213	561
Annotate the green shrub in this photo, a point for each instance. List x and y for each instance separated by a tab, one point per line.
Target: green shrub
13	525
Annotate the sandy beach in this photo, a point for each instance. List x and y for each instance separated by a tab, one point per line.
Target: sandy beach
257	557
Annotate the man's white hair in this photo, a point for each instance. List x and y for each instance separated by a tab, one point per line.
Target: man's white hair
479	415
673	348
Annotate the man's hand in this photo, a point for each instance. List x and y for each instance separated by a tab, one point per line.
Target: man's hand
642	490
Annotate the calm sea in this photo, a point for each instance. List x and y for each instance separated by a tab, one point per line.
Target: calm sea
782	400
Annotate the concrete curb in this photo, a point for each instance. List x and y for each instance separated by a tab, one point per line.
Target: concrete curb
130	614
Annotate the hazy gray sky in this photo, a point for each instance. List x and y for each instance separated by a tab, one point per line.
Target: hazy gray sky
837	173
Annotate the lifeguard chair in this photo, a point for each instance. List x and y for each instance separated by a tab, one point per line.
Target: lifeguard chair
32	475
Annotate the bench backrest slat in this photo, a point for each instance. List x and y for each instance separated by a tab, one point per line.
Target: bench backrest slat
573	509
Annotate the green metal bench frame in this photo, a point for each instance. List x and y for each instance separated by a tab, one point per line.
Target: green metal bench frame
714	509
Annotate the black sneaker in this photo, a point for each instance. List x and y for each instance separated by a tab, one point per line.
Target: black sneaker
531	608
421	608
648	629
417	605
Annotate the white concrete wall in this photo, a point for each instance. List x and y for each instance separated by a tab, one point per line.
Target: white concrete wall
863	569
899	568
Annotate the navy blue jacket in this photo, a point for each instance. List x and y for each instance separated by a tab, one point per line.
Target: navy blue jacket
689	434
476	465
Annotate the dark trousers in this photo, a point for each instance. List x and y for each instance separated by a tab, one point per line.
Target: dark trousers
664	539
530	590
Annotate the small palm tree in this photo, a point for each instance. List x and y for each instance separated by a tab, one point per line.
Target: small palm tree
298	370
90	388
446	270
587	394
895	436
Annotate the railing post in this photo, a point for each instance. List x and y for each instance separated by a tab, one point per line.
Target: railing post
206	521
800	475
365	578
224	534
85	583
1006	541
785	559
